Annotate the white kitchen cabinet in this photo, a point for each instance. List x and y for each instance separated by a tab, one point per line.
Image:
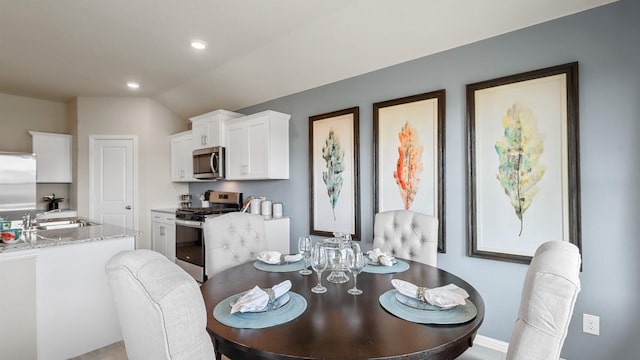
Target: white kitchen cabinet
277	233
53	157
163	233
209	129
182	157
258	147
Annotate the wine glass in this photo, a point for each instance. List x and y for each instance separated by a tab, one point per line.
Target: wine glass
304	248
319	264
356	261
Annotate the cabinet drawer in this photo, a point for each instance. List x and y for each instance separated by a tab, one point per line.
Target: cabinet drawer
164	218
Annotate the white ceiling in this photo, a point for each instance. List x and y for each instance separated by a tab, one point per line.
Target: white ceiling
258	49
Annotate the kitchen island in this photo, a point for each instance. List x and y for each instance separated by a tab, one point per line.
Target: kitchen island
54	284
39	239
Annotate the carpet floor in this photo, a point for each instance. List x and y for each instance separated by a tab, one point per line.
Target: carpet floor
117	351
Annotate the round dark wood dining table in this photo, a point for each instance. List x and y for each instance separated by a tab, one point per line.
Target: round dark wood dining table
337	325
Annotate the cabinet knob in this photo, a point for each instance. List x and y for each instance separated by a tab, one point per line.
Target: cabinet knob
128	207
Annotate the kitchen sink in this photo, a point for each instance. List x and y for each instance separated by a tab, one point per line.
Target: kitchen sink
56	224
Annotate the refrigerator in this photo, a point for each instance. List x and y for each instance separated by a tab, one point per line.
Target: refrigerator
17	181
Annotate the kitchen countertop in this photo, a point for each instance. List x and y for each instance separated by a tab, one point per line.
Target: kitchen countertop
168	211
47	238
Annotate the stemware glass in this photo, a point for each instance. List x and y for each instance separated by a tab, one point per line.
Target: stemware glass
304	248
319	264
356	261
336	254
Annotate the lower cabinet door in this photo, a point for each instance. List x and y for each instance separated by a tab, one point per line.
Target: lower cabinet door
163	234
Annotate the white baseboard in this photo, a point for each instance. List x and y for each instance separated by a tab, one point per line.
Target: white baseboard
493	344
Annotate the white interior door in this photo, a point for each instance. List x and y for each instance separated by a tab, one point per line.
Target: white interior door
112	180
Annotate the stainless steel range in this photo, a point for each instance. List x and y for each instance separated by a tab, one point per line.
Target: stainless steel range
190	250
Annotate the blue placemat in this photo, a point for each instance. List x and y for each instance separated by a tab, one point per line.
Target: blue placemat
295	266
400	266
458	315
294	308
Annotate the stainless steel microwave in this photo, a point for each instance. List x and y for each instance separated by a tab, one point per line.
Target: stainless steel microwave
208	163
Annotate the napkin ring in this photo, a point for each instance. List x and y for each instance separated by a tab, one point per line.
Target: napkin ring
420	293
271	293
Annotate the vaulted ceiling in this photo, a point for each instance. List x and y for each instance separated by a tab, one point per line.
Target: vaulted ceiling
258	50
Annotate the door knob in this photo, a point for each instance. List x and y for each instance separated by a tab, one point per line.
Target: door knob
128	207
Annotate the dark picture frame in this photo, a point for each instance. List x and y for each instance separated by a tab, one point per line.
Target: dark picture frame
523	176
334	186
401	127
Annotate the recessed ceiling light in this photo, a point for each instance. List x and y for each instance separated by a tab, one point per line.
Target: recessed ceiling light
133	85
198	44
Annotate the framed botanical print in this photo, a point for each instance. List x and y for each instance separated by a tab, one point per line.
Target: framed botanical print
334	163
409	138
523	185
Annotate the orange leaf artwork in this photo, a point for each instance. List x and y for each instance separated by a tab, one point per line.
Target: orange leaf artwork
409	164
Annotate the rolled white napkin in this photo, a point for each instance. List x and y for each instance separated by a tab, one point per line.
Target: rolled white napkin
378	256
446	297
257	299
276	257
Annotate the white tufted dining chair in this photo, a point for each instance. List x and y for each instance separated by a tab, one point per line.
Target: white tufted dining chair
408	235
549	294
160	308
232	239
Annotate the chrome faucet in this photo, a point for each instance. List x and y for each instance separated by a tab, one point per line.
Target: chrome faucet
27	221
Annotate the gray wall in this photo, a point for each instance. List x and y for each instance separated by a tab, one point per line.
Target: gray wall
605	41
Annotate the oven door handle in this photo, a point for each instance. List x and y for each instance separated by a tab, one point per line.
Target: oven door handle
193	224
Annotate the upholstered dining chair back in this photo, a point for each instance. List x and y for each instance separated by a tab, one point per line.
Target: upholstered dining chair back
232	239
549	293
408	235
160	307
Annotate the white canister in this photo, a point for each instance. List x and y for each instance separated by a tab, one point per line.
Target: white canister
266	208
277	210
255	206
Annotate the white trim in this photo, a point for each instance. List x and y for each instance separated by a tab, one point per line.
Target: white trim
493	344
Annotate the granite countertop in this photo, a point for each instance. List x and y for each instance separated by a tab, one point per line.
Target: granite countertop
46	238
168	210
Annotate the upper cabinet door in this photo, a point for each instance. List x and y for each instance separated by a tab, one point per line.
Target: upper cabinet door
258	139
209	129
258	147
53	157
181	157
200	131
237	153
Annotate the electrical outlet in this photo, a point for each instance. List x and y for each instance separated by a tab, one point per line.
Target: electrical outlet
591	324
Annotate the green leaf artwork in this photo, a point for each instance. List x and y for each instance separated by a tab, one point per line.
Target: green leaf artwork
409	164
518	155
333	155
